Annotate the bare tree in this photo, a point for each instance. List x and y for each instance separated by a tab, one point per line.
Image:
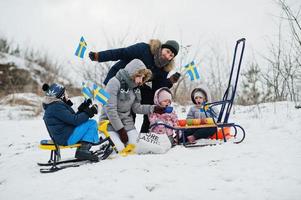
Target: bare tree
292	64
4	45
251	93
219	69
184	85
293	19
284	69
273	76
181	84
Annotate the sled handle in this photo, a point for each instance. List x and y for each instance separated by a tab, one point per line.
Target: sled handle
103	127
241	40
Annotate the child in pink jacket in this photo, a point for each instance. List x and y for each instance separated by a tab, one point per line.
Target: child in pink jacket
163	98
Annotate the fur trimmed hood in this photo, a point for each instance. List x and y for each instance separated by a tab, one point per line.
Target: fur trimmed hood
154	45
48	100
137	68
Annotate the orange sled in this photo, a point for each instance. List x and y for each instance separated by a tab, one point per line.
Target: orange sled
227	132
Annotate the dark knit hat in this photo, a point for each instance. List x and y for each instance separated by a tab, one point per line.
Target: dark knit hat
172	45
54	90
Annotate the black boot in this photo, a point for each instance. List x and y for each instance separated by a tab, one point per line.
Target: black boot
83	152
172	141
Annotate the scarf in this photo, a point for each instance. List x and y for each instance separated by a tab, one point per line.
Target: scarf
159	61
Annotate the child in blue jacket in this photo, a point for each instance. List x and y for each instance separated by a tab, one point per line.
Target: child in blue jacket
67	127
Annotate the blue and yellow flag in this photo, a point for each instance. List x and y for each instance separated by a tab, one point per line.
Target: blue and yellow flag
88	94
100	95
82	46
192	71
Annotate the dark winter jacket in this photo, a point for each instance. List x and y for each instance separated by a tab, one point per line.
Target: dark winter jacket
144	52
61	119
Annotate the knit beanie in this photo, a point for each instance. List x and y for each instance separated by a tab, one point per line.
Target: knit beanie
199	94
172	45
163	95
54	90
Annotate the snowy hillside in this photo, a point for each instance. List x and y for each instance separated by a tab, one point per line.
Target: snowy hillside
37	72
20	106
265	166
25	106
21	63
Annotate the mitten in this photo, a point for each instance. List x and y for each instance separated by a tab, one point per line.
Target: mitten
175	77
93	56
93	110
84	105
69	102
123	136
159	109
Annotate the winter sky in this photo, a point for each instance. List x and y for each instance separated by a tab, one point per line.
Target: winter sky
55	26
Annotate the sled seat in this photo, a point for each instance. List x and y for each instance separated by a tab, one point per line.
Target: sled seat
49	145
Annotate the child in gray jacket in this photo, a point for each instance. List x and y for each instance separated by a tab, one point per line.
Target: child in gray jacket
199	97
125	98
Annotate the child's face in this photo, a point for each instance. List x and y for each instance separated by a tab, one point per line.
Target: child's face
139	80
199	100
165	103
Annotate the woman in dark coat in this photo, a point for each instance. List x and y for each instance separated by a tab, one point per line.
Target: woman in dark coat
157	57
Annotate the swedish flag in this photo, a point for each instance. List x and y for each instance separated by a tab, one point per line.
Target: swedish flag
100	95
192	71
88	94
82	46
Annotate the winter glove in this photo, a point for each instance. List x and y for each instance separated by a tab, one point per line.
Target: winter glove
67	101
84	105
93	110
158	109
123	136
175	77
93	56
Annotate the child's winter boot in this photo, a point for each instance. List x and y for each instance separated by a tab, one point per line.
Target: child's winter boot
83	152
172	140
191	139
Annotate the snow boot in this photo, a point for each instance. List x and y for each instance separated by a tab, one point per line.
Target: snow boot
191	139
83	152
172	140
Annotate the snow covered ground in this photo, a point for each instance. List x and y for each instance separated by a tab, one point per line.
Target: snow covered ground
265	166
